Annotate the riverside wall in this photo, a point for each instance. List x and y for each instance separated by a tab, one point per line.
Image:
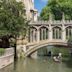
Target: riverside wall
7	58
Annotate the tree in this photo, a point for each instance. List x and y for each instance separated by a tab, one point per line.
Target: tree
69	42
12	19
57	8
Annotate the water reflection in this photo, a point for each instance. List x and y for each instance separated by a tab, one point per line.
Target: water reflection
42	64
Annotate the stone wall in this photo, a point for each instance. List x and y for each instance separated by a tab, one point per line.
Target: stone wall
7	58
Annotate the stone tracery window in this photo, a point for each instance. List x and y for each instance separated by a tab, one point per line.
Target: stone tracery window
68	32
32	34
57	33
43	33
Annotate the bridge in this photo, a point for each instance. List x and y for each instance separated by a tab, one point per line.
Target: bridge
52	32
35	46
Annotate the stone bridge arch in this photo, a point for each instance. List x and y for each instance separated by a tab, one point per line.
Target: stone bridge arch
38	46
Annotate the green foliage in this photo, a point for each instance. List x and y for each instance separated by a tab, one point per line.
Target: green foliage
45	13
2	51
70	41
12	18
57	8
63	50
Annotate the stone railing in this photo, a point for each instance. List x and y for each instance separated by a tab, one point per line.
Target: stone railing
7	58
51	22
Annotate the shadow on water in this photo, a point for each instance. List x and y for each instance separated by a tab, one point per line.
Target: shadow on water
15	63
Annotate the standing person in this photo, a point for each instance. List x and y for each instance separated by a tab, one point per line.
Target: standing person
60	56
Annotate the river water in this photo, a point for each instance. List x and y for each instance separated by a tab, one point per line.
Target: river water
42	64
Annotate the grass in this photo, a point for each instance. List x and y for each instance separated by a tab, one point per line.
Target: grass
2	50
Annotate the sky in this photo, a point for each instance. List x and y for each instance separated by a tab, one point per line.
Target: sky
39	4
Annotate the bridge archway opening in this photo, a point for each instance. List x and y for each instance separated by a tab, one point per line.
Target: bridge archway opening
50	44
44	32
57	33
32	34
53	50
69	32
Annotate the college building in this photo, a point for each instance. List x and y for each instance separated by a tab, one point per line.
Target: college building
31	12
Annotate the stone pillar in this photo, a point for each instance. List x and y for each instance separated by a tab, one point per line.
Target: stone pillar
24	48
63	34
33	35
68	33
50	33
35	16
45	34
42	34
30	35
55	37
63	18
24	45
38	35
63	28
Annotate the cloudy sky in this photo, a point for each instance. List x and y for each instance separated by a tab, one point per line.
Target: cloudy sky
39	4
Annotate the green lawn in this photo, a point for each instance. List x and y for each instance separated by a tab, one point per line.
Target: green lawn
2	50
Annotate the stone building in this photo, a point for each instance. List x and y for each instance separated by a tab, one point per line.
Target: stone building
31	12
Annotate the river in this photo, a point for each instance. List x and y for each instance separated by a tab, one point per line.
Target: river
42	64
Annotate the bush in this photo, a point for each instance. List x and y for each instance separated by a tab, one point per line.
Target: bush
2	51
64	51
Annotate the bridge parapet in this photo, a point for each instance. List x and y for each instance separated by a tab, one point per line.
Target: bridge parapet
51	22
52	29
44	41
68	22
50	42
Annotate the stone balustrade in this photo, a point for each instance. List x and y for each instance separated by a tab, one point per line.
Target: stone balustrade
51	22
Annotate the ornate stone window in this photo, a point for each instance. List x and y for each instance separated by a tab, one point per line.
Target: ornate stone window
43	33
57	33
32	34
68	32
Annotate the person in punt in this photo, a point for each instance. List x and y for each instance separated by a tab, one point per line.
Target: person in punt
58	58
55	59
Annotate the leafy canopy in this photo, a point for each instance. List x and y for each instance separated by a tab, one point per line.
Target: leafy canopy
57	8
12	18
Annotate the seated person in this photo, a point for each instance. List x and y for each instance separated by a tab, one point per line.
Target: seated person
57	58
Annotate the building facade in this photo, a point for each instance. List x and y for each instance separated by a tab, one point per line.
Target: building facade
31	12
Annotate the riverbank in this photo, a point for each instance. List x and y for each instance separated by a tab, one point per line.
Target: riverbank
7	58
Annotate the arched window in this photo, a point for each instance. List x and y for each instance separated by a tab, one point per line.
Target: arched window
43	33
57	33
32	34
68	32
